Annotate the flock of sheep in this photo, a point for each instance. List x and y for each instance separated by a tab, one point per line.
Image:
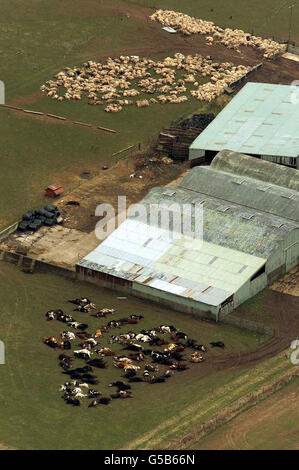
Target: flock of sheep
115	82
231	38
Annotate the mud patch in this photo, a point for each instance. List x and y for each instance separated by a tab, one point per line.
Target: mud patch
289	284
21	100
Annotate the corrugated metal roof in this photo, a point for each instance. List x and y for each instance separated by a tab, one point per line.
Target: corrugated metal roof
245	191
183	266
240	164
245	221
261	119
231	225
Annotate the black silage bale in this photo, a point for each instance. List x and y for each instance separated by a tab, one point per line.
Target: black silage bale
23	226
41	218
49	222
49	215
50	208
34	226
28	215
42	212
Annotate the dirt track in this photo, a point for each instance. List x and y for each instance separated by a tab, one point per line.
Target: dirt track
283	316
284	312
267	425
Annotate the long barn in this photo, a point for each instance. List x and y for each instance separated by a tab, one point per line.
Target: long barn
250	238
262	120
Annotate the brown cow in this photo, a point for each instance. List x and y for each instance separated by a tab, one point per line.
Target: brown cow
105	352
51	341
137	357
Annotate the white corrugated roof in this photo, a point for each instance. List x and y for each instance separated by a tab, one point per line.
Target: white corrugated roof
262	119
184	266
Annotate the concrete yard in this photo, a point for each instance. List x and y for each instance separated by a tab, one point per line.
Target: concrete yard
57	245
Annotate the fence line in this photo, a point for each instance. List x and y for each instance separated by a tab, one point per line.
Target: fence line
252	70
10	106
8	230
131	147
32	112
28	111
56	117
82	124
247	324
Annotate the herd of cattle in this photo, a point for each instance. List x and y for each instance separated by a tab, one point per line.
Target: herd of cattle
139	362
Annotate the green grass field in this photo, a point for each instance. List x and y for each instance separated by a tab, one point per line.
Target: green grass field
35	154
32	413
36	43
267	18
37	39
270	425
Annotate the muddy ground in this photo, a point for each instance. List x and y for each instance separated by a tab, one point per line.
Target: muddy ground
275	309
132	178
289	284
64	245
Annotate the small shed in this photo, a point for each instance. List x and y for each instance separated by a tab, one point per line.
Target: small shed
54	190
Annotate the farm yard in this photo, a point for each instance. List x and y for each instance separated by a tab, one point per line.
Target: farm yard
50	151
40	40
111	65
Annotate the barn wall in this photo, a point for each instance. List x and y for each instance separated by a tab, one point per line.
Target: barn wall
288	161
176	302
103	279
196	153
276	274
291	249
250	289
275	261
145	292
285	258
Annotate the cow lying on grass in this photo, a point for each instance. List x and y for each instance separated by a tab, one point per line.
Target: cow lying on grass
140	360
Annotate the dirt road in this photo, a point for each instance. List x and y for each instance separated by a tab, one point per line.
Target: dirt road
272	424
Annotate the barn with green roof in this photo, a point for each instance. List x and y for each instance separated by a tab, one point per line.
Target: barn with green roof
262	120
250	237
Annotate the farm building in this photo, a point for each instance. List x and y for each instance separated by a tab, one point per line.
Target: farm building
262	120
250	238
